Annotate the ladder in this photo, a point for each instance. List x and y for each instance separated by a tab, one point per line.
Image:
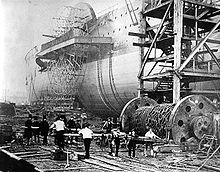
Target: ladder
131	12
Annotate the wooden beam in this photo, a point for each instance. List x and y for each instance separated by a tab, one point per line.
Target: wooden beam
207	76
198	47
104	165
158	76
161	59
202	14
212	55
205	52
200	39
154	40
142	30
140	44
178	30
141	35
160	43
49	36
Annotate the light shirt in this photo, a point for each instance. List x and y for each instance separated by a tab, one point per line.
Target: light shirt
150	134
86	132
115	133
58	125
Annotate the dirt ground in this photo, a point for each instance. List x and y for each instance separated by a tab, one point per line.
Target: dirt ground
101	160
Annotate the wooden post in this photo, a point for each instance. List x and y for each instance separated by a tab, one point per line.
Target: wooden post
178	30
141	49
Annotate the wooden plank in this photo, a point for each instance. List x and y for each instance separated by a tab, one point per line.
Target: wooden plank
107	161
158	76
35	155
161	59
67	169
48	149
98	163
25	153
201	75
94	134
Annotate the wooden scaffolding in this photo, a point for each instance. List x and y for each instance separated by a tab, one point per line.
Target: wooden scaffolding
184	34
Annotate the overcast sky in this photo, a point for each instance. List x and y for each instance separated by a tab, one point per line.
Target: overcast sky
23	22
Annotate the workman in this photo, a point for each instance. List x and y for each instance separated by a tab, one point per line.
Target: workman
132	142
108	125
78	124
36	129
28	129
44	129
87	138
115	140
60	129
151	136
71	123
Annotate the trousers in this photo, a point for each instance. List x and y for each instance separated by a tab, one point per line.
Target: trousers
87	142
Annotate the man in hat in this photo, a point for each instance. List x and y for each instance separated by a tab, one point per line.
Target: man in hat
115	140
28	129
60	129
132	142
78	124
36	129
87	138
71	125
44	129
150	135
108	125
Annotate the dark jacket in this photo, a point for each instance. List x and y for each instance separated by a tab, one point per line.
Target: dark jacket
44	128
71	124
28	129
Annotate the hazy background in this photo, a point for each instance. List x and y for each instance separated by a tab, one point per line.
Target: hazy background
23	22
